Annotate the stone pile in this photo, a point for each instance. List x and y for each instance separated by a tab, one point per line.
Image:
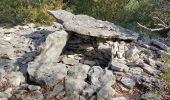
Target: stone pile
80	58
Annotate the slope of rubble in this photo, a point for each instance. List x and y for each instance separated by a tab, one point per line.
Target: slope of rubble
79	58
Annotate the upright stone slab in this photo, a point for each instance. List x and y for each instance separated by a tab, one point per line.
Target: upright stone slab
45	69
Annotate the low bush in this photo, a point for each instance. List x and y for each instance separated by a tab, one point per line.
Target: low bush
122	12
24	11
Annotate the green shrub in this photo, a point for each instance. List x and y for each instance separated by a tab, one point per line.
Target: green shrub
20	11
122	12
166	76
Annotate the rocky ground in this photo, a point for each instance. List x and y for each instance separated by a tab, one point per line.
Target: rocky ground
79	58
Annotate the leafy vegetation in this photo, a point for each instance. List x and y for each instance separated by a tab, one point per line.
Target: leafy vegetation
24	11
122	12
166	76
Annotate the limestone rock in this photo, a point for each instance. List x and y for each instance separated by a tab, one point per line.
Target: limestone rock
136	70
161	45
47	73
70	61
79	71
15	78
105	93
86	25
128	82
33	87
53	47
133	53
118	66
74	85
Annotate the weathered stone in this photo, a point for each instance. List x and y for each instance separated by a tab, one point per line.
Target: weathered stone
149	95
57	89
161	45
61	15
36	95
128	82
74	85
163	53
15	78
149	69
47	73
79	71
70	61
119	98
85	25
33	87
116	65
4	96
94	73
136	70
148	82
53	47
107	78
100	77
105	93
89	90
133	53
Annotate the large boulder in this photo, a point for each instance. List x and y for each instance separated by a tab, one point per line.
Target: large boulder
45	69
86	25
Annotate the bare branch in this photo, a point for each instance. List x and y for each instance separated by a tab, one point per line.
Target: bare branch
156	18
150	29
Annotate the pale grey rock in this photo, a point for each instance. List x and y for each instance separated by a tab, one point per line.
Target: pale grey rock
123	88
106	93
136	70
43	68
2	73
119	98
70	61
100	77
163	53
15	78
132	52
118	66
47	73
150	61
53	47
149	95
128	82
121	51
86	25
107	78
6	49
79	71
4	95
149	69
146	39
34	87
61	15
36	95
56	90
94	73
161	45
73	85
82	98
118	50
89	90
148	81
73	96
